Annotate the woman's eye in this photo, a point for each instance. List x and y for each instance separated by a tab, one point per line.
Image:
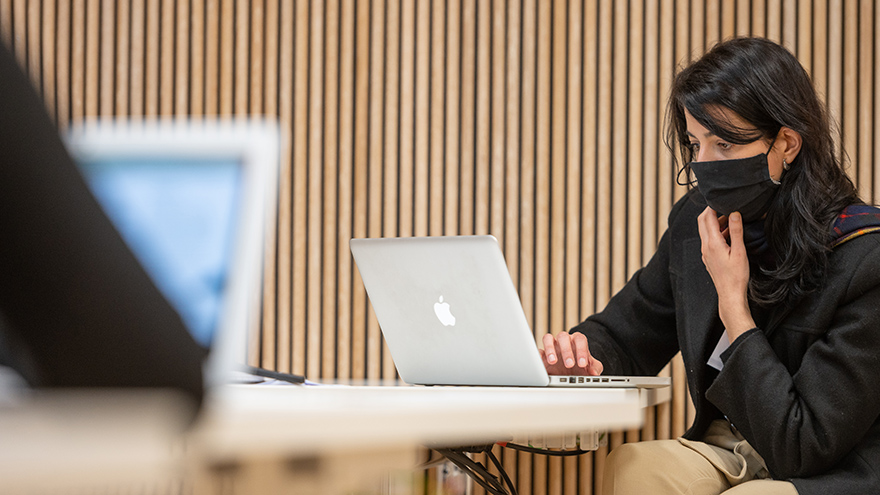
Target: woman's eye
694	146
724	146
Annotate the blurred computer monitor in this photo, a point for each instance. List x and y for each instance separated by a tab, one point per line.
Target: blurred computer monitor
191	199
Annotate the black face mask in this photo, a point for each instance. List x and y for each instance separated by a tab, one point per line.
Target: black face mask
742	185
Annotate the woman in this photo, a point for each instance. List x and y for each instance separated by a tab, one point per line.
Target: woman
765	284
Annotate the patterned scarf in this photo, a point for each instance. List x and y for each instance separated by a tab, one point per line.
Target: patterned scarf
855	220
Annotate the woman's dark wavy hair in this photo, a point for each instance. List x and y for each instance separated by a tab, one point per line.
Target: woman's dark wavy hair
765	85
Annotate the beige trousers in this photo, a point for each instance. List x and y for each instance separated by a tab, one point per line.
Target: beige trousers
722	463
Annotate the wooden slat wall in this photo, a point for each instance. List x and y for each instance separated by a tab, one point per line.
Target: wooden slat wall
536	121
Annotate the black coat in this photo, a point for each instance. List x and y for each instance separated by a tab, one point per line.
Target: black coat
804	389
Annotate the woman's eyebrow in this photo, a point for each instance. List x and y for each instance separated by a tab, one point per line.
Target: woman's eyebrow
708	134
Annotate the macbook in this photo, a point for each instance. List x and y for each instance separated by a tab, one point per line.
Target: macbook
450	314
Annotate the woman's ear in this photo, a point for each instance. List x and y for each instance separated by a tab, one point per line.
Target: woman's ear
791	141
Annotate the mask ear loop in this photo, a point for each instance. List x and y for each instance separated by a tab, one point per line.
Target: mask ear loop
785	166
687	170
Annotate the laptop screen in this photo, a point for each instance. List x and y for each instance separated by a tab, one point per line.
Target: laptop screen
178	216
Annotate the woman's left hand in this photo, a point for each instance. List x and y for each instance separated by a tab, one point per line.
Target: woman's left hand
728	265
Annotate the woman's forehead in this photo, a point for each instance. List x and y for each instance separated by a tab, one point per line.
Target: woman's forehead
722	117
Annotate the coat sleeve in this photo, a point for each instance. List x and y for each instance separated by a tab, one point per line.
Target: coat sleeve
804	422
635	334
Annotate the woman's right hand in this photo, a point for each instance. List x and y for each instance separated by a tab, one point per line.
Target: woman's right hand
569	354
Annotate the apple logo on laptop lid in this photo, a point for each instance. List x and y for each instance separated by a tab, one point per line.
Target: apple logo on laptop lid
441	309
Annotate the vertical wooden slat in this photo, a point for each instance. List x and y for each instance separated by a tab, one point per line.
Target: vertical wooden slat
242	65
604	145
407	119
589	164
19	32
635	162
264	321
123	58
6	34
573	211
166	58
46	49
437	112
92	57
875	157
376	350
278	350
835	69
774	20
820	48
300	186
652	127
713	21
789	25
271	28
667	56
62	65
865	97
138	58
585	474
421	202
758	11
151	84
512	138
527	163
198	62
557	188
619	147
77	60
698	26
33	66
452	158
483	135
849	88
496	128
805	36
728	19
744	21
362	79
257	58
314	185
182	72
683	53
227	56
542	170
212	56
108	58
330	211
468	116
392	207
346	211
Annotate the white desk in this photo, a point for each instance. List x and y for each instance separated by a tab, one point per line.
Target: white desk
281	439
341	435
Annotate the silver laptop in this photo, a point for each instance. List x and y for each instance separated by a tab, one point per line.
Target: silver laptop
191	200
451	316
